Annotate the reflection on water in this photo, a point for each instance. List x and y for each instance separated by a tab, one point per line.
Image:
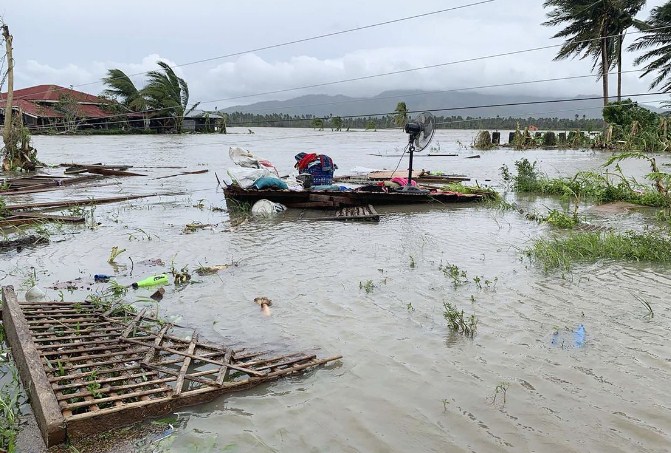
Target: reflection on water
406	383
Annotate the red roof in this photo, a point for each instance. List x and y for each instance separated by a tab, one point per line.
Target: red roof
38	101
36	110
51	93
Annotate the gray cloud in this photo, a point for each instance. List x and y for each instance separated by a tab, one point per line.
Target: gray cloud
75	42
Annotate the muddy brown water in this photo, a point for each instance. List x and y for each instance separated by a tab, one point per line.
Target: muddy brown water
406	382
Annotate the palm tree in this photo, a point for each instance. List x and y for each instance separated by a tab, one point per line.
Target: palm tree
169	94
122	89
657	38
589	30
625	19
401	114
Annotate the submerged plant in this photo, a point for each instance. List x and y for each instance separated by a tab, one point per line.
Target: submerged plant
562	220
487	192
501	388
368	286
483	141
11	395
452	271
4	212
646	304
456	321
114	253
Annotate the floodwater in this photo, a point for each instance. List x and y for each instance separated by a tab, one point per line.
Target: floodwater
374	293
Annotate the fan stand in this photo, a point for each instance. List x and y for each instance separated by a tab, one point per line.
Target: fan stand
409	188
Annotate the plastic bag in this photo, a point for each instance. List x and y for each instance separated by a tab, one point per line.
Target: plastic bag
245	177
265	207
245	158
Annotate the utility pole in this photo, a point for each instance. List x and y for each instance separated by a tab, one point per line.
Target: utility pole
7	131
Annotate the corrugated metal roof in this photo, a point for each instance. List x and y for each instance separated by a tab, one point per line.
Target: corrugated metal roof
38	102
36	110
51	93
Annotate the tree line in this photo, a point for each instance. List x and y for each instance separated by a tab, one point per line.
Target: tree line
335	123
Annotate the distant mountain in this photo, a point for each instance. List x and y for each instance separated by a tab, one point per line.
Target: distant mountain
532	106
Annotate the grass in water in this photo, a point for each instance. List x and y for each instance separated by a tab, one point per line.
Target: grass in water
487	193
561	252
456	321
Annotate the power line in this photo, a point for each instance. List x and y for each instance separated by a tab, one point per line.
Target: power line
554	79
478	87
312	38
404	71
120	115
468	60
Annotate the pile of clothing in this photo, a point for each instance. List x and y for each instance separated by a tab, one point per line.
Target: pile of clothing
319	166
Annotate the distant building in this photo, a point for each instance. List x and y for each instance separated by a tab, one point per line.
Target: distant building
46	107
204	121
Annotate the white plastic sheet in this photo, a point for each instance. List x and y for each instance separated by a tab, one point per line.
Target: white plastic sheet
265	207
245	177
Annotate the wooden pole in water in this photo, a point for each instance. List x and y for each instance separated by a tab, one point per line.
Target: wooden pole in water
6	133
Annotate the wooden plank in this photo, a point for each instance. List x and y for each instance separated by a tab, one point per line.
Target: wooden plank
52	217
185	366
157	341
133	324
50	420
197	172
84	202
165	370
145	374
288	362
223	371
98	401
360	213
202	358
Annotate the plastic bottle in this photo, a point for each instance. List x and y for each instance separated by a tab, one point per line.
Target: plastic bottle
160	279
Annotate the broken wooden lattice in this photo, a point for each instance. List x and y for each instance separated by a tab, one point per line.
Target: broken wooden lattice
88	370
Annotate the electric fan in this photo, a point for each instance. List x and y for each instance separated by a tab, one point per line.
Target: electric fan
420	132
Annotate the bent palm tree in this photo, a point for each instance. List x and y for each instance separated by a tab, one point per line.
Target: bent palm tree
657	37
169	94
122	89
625	19
589	24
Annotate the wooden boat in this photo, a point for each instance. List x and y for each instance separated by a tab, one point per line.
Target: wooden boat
338	199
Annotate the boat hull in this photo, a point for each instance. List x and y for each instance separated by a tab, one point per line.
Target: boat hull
336	199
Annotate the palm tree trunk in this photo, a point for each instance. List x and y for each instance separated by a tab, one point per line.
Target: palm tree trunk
619	67
604	69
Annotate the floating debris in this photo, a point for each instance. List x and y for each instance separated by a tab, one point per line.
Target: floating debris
209	270
195	226
91	368
158	295
21	242
358	213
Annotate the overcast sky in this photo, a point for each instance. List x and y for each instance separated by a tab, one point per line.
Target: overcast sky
75	42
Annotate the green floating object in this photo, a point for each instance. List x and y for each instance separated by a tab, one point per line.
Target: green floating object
154	280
